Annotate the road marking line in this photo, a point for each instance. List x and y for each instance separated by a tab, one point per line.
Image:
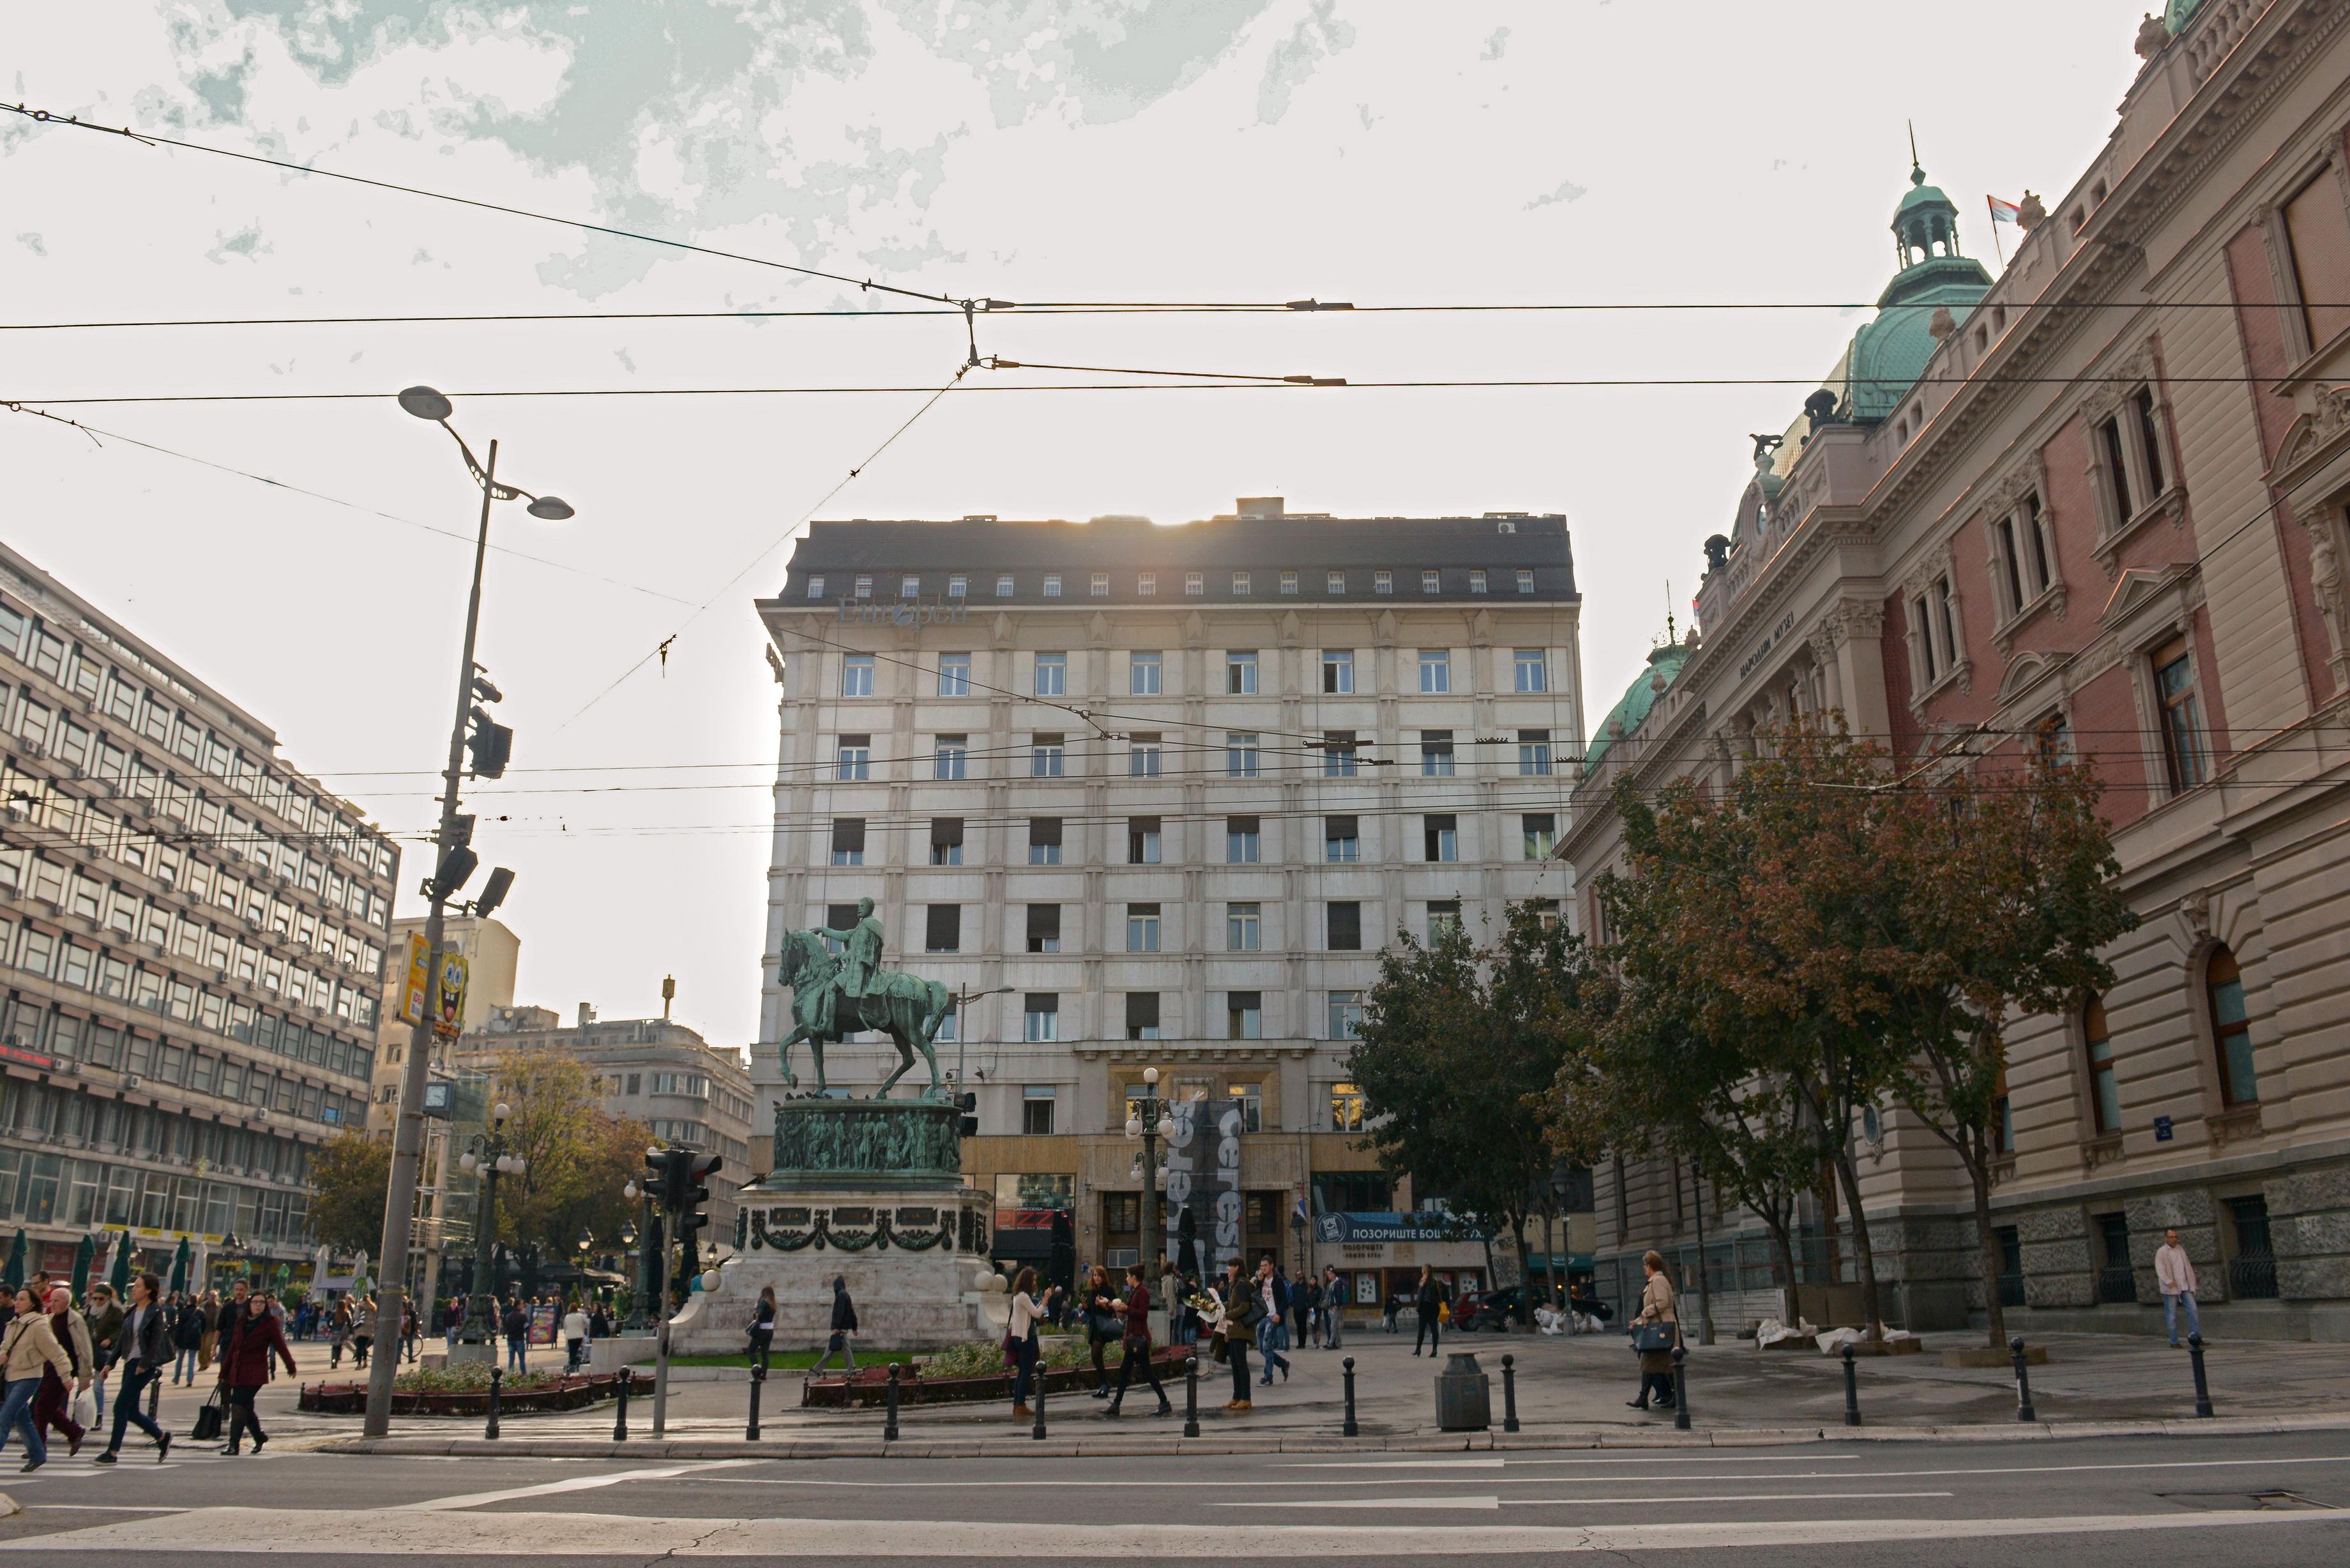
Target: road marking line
1718	1497
1286	1485
550	1489
1486	1503
1702	1458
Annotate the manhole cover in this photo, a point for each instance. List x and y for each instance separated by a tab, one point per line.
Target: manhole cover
2233	1501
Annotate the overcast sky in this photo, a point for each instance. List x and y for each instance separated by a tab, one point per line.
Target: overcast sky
1565	151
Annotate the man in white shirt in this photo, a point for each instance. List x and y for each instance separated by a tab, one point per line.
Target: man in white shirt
2174	1276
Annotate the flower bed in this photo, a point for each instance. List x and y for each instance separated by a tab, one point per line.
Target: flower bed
870	1388
542	1392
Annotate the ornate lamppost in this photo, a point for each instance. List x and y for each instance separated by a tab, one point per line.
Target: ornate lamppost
488	1156
1149	1119
648	1283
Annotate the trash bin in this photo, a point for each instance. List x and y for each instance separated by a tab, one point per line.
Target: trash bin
1464	1395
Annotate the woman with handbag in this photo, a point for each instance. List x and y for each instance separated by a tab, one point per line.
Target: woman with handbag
1430	1302
763	1326
1104	1326
29	1349
250	1339
1020	1338
1244	1310
1655	1332
53	1406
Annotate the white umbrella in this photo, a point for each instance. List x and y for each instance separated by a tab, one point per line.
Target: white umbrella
197	1278
318	1268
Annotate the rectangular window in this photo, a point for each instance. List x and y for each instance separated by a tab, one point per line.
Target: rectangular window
1240	674
1337	672
1347	1190
1525	580
1345	1016
1042	1016
1142	928
1240	585
1146	583
1195	583
1143	674
2182	716
1101	585
1142	1015
857	675
854	758
1443	917
1533	666
1289	582
1243	928
946	841
1052	675
1436	753
1476	582
1341	839
1947	621
1534	750
1044	841
1241	843
958	586
1037	1109
955	674
2317	240
1244	1015
1142	841
951	759
1435	670
1264	1208
2111	443
2105	1090
1345	927
1334	584
942	928
864	588
2231	1029
2004	533
1921	631
1440	836
1382	582
1540	829
1338	754
1003	587
1043	927
1431	582
1142	756
815	591
848	841
1239	755
2149	435
910	587
1046	757
1052	585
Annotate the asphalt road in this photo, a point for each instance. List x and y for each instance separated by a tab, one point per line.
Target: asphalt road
2275	1499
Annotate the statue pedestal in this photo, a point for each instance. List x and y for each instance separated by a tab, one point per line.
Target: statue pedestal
870	1190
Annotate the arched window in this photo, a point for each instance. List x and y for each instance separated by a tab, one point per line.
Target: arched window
2104	1094
2232	1031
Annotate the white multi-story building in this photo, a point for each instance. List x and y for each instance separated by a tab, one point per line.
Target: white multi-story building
193	947
1163	792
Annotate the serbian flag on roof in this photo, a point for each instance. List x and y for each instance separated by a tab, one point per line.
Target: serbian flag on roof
2004	211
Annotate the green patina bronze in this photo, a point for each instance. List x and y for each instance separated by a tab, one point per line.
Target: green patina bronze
892	1143
833	995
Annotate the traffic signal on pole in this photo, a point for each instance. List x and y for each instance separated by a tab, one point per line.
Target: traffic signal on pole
455	869
699	1168
970	1107
490	745
659	1183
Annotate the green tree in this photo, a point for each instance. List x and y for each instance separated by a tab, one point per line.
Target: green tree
351	1178
576	1159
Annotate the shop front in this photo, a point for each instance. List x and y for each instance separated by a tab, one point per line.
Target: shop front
1379	1257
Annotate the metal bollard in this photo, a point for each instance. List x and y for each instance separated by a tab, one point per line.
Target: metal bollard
2202	1388
1681	1389
1036	1430
1509	1394
491	1433
2024	1411
1851	1390
890	1421
1347	1428
1192	1393
621	1415
758	1382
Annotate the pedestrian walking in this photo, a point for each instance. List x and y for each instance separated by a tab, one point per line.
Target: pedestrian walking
411	1329
1390	1310
763	1326
144	1345
363	1330
338	1333
105	1327
1105	1325
2174	1276
1243	1311
29	1347
516	1324
1334	1297
1655	1312
1298	1331
1273	1291
1430	1300
251	1341
1020	1339
844	1329
208	1313
1136	1311
53	1405
188	1339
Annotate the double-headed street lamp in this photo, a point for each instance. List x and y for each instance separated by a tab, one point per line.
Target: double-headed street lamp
453	862
1149	1119
488	1156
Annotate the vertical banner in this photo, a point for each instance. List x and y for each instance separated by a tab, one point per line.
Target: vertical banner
1182	1177
415	995
1231	1232
449	1012
1203	1179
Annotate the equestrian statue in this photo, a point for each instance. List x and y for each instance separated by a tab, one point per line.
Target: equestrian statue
833	995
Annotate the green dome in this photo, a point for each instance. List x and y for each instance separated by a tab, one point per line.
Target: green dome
1921	195
1664	668
2178	14
1890	353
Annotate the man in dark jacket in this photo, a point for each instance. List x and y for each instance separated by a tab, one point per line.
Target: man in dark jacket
249	1338
844	1328
105	1317
517	1325
141	1345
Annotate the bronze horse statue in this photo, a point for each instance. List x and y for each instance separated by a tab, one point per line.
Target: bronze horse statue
908	1009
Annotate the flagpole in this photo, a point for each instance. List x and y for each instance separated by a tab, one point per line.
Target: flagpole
1995	244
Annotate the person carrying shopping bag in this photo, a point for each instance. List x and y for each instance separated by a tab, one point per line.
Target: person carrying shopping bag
1655	1332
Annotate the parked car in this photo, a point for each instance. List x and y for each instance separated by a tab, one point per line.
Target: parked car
1486	1309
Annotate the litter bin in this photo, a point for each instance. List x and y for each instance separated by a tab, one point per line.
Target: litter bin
1464	1395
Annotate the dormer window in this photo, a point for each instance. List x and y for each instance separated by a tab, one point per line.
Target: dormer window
1382	582
815	587
1240	585
1476	582
1289	582
1334	584
1101	585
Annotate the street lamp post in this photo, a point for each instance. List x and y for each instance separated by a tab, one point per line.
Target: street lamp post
488	1156
1149	1119
408	1138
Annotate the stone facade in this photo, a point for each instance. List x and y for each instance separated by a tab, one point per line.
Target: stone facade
2109	514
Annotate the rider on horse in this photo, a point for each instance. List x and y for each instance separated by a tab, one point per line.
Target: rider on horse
860	962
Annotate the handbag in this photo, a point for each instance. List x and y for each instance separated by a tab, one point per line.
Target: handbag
84	1409
208	1421
1105	1325
1652	1336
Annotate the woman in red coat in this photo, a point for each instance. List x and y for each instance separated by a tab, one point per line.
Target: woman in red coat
249	1338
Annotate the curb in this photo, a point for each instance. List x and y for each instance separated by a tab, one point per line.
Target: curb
1322	1442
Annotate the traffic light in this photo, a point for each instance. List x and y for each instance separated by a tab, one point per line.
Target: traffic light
969	1104
455	869
662	1168
699	1168
493	890
490	745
